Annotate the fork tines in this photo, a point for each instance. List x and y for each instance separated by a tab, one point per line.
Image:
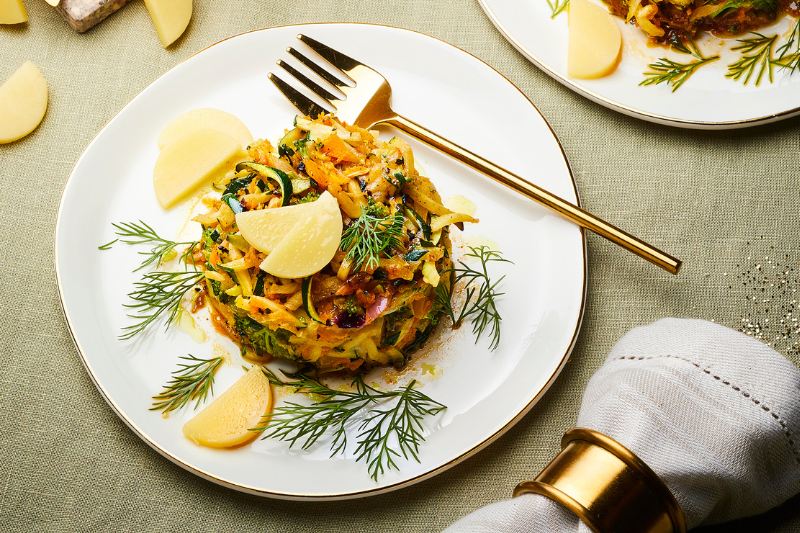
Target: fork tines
340	62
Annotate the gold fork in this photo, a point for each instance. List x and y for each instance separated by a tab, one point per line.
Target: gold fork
367	103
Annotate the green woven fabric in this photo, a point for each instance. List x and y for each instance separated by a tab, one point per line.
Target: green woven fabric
724	202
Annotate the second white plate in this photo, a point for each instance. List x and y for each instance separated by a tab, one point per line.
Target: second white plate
708	100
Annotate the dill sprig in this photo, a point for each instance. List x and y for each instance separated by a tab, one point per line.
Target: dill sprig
391	424
192	381
557	7
480	303
789	52
672	72
158	293
756	53
141	233
370	235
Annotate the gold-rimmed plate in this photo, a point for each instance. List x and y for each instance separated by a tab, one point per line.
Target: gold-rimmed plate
707	100
434	83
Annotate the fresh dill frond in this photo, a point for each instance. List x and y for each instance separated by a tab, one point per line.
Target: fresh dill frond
390	426
140	233
756	53
672	72
789	52
557	7
480	303
192	381
158	293
370	235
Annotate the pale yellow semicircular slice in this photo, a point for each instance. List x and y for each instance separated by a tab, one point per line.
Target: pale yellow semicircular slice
192	161
206	118
311	244
595	42
170	17
23	102
264	229
227	420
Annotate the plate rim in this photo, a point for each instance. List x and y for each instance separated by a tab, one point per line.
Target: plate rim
630	111
333	496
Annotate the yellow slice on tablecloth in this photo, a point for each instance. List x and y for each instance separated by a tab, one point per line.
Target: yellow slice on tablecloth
23	102
12	12
170	17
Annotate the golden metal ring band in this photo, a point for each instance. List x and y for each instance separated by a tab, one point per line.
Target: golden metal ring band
607	487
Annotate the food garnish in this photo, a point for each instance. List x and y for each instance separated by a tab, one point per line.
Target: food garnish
229	419
140	233
158	293
310	244
191	161
368	238
674	73
193	381
482	309
388	417
202	119
595	42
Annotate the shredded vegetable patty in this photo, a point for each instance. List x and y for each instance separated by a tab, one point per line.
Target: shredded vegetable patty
375	302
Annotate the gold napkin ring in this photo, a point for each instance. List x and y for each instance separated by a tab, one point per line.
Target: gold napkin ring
607	486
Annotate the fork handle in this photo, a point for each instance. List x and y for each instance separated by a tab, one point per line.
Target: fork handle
547	199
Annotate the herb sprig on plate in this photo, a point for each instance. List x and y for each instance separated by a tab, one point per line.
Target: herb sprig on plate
480	303
389	422
193	381
370	236
157	293
140	233
672	72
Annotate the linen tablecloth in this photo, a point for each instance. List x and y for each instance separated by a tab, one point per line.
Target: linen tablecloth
724	202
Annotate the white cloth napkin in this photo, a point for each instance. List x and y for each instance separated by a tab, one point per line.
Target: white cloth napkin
715	413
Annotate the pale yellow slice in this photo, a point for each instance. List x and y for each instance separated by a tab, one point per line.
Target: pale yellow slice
12	12
170	17
264	229
311	243
53	3
595	42
202	119
23	102
226	421
192	161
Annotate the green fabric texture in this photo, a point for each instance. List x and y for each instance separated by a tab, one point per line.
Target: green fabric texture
724	202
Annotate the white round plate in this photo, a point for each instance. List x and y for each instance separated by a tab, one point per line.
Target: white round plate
435	84
708	100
